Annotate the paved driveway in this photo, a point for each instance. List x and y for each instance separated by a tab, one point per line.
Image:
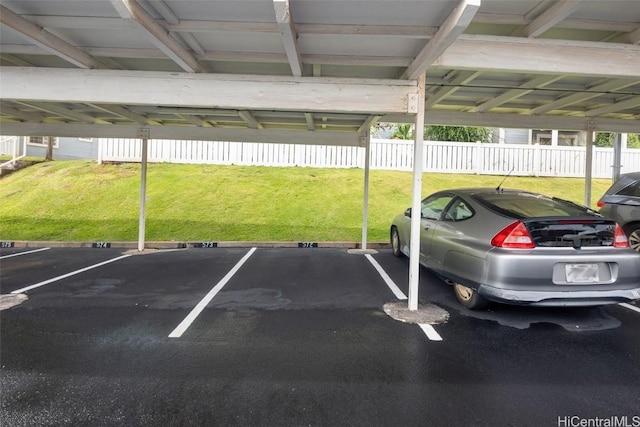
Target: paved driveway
287	336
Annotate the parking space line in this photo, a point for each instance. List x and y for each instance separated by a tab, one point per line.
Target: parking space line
184	325
64	276
25	253
630	307
429	330
390	283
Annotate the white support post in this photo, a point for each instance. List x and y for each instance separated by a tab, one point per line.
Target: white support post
617	156
366	139
591	128
416	208
554	137
144	135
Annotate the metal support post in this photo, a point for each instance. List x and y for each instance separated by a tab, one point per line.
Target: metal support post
416	205
591	128
144	135
365	208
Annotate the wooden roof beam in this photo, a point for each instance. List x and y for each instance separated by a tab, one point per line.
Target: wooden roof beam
550	17
593	92
289	36
251	121
46	40
131	10
463	78
448	32
510	95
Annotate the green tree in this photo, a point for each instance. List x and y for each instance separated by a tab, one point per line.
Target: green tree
458	133
404	131
606	139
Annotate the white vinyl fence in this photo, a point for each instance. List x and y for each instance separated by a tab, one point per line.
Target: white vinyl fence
442	157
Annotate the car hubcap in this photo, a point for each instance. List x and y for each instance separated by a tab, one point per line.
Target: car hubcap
464	292
634	240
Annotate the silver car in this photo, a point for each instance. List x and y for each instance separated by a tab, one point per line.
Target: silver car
519	247
621	202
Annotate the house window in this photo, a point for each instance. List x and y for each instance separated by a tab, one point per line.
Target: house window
42	141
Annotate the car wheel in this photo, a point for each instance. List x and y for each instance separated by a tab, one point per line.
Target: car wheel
633	235
395	242
469	297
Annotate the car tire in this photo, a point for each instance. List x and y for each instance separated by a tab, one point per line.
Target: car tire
395	242
633	235
469	297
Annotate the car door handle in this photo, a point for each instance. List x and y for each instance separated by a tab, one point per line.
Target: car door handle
426	227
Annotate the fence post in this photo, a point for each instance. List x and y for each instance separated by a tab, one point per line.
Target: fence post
479	156
536	159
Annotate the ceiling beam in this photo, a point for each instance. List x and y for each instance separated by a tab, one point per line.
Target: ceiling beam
463	78
524	89
12	59
501	120
310	123
122	112
22	115
302	137
59	110
550	17
239	92
453	26
370	121
131	10
615	107
251	121
195	120
592	92
634	36
46	40
288	34
542	56
170	17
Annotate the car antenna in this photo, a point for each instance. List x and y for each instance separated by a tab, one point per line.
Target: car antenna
498	188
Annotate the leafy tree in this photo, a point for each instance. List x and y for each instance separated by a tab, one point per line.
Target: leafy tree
458	133
606	139
404	131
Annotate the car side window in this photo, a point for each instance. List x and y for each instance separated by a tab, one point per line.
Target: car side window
631	190
458	211
433	206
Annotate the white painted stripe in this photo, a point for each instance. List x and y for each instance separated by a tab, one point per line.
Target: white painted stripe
630	307
390	283
64	276
184	325
430	331
25	253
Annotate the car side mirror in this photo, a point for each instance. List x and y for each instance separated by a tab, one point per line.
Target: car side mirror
408	212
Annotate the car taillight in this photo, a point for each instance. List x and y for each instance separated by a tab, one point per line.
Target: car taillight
600	203
619	238
515	235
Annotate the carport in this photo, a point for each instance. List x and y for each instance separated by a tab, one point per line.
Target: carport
310	72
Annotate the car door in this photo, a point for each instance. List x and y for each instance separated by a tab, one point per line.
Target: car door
432	210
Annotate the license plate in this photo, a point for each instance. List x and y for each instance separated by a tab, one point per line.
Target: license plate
581	273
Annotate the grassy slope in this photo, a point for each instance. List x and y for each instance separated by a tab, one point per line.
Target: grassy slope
81	200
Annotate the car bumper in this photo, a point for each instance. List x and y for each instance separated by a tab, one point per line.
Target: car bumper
559	298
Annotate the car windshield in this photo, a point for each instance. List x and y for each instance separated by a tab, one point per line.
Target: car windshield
528	205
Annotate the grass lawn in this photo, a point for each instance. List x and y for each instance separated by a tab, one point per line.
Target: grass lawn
84	201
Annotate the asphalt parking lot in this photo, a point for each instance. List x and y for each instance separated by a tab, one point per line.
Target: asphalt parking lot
291	336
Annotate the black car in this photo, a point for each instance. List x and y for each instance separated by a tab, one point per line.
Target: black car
621	202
